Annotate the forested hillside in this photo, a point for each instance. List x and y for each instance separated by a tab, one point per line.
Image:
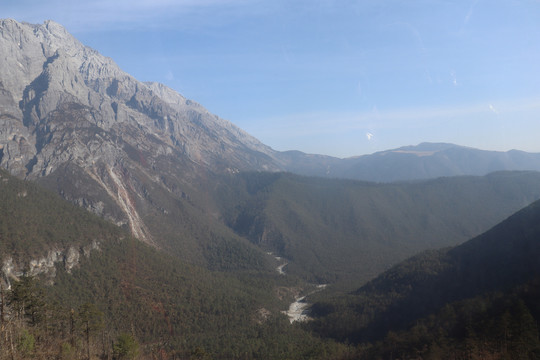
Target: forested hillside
123	292
343	231
478	299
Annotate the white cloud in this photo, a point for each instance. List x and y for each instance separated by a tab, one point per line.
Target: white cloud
470	12
454	78
80	16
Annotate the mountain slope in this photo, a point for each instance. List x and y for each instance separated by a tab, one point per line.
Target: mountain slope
138	154
47	67
494	272
350	231
170	307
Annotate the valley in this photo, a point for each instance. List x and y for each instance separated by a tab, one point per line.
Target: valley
130	214
449	302
346	232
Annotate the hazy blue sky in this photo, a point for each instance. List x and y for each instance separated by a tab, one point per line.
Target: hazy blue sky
334	77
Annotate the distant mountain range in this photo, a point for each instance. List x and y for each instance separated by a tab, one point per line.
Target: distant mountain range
423	161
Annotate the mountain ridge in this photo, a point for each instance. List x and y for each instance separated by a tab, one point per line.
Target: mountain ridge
420	162
52	67
48	67
139	154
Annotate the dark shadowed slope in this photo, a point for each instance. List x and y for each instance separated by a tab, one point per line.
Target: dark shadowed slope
461	289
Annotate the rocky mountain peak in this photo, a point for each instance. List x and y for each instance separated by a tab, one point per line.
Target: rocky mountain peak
44	67
62	104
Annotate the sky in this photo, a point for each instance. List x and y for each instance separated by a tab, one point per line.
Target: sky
333	77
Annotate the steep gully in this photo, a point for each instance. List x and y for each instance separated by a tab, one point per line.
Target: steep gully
122	197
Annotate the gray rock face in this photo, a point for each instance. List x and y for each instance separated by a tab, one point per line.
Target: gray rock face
45	265
63	105
44	68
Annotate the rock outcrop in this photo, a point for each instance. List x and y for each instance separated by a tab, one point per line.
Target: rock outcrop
44	266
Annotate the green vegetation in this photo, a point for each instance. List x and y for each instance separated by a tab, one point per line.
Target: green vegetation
33	219
126	347
179	216
477	300
167	307
495	326
127	300
346	232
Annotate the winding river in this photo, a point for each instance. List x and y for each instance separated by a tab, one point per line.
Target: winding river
298	309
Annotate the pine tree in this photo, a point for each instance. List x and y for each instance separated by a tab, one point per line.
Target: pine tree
90	321
27	299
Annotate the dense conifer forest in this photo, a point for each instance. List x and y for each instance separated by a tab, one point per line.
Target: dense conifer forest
476	300
125	298
122	299
346	232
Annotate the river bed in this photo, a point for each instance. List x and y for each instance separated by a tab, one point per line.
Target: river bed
298	309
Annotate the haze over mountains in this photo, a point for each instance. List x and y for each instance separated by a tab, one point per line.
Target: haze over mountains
426	161
205	194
